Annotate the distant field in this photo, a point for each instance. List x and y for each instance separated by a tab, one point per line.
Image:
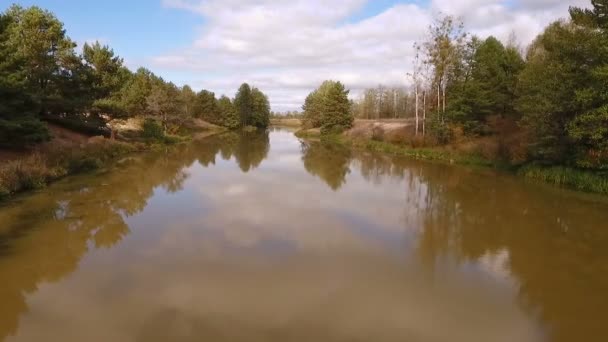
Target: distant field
286	122
298	122
403	120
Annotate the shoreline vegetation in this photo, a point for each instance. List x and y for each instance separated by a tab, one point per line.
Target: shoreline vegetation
539	111
66	156
65	110
560	176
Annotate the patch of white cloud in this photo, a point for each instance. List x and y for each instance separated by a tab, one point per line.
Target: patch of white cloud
287	48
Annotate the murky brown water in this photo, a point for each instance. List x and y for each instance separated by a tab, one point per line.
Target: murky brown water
263	238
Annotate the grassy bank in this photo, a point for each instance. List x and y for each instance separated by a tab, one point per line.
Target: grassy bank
38	170
58	159
570	178
287	122
431	154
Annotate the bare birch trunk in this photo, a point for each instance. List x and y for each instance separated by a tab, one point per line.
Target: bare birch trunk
416	109
424	113
444	99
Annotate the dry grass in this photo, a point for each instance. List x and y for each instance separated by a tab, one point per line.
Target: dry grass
286	122
37	170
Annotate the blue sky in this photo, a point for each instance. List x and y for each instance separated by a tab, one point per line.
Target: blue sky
286	48
139	29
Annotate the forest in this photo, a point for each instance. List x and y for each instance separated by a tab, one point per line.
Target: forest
545	104
44	79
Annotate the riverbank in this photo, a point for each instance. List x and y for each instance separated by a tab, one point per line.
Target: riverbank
286	122
560	176
70	153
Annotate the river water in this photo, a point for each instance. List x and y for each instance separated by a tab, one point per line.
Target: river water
263	237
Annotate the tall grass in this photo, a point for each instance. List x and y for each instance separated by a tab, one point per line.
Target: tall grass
587	181
434	154
37	170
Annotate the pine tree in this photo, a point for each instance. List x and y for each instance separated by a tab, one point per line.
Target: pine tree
206	107
229	115
336	114
243	102
260	109
19	123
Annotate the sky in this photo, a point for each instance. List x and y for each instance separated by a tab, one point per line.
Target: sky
286	48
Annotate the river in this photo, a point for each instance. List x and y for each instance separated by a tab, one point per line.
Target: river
263	237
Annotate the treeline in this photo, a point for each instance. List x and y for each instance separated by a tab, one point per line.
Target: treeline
383	103
42	77
549	105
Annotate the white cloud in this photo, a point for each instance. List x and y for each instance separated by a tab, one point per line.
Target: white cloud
288	48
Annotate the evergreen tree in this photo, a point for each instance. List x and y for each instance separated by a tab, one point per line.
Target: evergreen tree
243	102
328	107
206	107
229	115
589	129
562	94
260	114
134	95
38	38
336	114
19	123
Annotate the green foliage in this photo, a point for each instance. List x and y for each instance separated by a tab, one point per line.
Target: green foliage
41	76
243	103
590	133
38	39
328	107
229	115
485	86
152	130
252	107
567	177
92	125
206	107
562	91
24	131
260	114
84	164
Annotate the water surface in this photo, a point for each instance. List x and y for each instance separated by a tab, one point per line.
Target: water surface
263	237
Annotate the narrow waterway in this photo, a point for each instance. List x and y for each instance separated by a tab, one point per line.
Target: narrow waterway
264	237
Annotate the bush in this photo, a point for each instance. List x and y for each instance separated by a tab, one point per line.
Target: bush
441	131
35	171
89	126
84	164
4	193
27	174
27	131
152	130
332	129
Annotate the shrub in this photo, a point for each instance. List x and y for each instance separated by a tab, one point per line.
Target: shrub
332	129
441	131
152	130
83	164
36	171
21	132
86	125
27	174
378	133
